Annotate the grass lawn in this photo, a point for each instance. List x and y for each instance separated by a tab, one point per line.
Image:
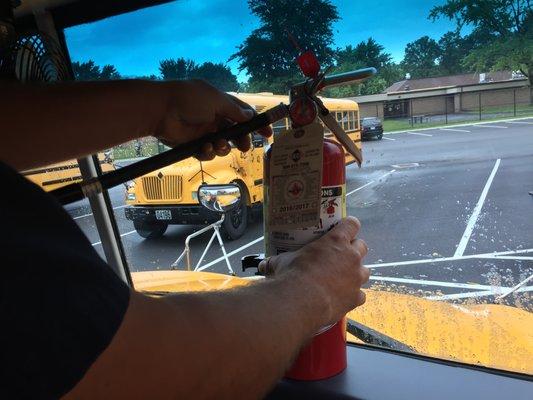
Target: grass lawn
487	114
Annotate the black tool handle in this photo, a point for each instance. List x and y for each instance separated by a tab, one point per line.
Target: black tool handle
77	191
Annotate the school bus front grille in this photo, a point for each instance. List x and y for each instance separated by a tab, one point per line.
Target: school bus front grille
167	187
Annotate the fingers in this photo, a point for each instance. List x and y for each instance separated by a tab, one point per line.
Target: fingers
207	152
243	143
360	298
361	247
346	229
266	267
230	107
221	147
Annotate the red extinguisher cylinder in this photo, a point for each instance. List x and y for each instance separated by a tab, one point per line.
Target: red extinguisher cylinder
325	355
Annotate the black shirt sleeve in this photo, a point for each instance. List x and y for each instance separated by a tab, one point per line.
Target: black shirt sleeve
60	303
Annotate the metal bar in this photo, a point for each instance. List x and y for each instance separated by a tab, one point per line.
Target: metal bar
479	105
205	250
103	222
77	191
221	243
514	102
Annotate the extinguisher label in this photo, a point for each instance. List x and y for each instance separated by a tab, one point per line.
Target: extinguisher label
295	177
332	209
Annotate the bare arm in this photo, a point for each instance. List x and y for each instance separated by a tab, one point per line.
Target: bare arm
233	344
43	124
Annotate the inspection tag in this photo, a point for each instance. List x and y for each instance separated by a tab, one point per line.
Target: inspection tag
296	177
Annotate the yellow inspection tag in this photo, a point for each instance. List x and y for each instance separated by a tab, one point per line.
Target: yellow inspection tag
296	177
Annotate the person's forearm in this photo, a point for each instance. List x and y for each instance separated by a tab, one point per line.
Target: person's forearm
248	337
42	124
230	344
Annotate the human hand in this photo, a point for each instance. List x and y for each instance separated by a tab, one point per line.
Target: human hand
330	268
196	108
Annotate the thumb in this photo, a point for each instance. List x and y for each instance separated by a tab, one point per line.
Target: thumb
346	229
267	266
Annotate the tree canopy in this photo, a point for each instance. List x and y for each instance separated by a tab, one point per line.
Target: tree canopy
268	56
219	75
89	71
506	27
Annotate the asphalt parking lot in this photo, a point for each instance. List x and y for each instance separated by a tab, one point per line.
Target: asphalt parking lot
446	214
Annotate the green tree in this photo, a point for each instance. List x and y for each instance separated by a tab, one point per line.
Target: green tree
421	57
176	69
218	75
367	53
89	71
507	23
268	56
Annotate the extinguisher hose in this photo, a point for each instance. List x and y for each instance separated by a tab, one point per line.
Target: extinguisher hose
79	190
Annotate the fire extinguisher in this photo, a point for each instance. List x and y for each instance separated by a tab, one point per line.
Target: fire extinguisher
325	355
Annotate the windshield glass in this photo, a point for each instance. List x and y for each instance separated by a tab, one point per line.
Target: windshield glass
445	192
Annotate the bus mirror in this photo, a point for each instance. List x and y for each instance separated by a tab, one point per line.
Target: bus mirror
219	198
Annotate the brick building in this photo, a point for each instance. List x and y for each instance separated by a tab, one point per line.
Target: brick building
448	95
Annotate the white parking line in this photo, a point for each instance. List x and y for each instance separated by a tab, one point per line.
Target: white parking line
434	283
418	133
491	126
484	293
475	214
495	255
124	234
454	130
245	246
520	122
88	215
388	138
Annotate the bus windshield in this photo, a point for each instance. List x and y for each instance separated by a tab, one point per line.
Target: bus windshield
444	195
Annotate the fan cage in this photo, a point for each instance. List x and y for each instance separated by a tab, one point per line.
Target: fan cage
34	58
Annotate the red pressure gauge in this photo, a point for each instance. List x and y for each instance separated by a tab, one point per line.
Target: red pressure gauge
302	111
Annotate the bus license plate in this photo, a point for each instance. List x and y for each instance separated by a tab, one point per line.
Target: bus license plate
372	127
163	215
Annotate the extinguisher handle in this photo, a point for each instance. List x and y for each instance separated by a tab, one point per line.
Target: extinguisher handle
252	261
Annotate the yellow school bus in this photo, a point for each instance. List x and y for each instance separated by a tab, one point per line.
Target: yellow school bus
168	195
60	174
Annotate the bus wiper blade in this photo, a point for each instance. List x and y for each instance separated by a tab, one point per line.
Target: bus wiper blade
371	336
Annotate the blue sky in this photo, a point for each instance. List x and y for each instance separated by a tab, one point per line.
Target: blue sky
211	30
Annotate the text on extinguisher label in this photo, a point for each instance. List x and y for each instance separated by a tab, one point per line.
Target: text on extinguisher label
332	210
296	177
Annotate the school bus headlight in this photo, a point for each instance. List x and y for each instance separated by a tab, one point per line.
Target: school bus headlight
131	196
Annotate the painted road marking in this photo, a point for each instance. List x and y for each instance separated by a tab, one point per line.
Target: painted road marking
88	215
418	133
454	130
495	255
491	126
245	246
387	138
370	183
232	253
434	283
477	210
520	122
457	296
124	234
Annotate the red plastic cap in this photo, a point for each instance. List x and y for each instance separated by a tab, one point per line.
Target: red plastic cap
308	64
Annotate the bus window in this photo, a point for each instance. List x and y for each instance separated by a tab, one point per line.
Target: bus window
278	126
